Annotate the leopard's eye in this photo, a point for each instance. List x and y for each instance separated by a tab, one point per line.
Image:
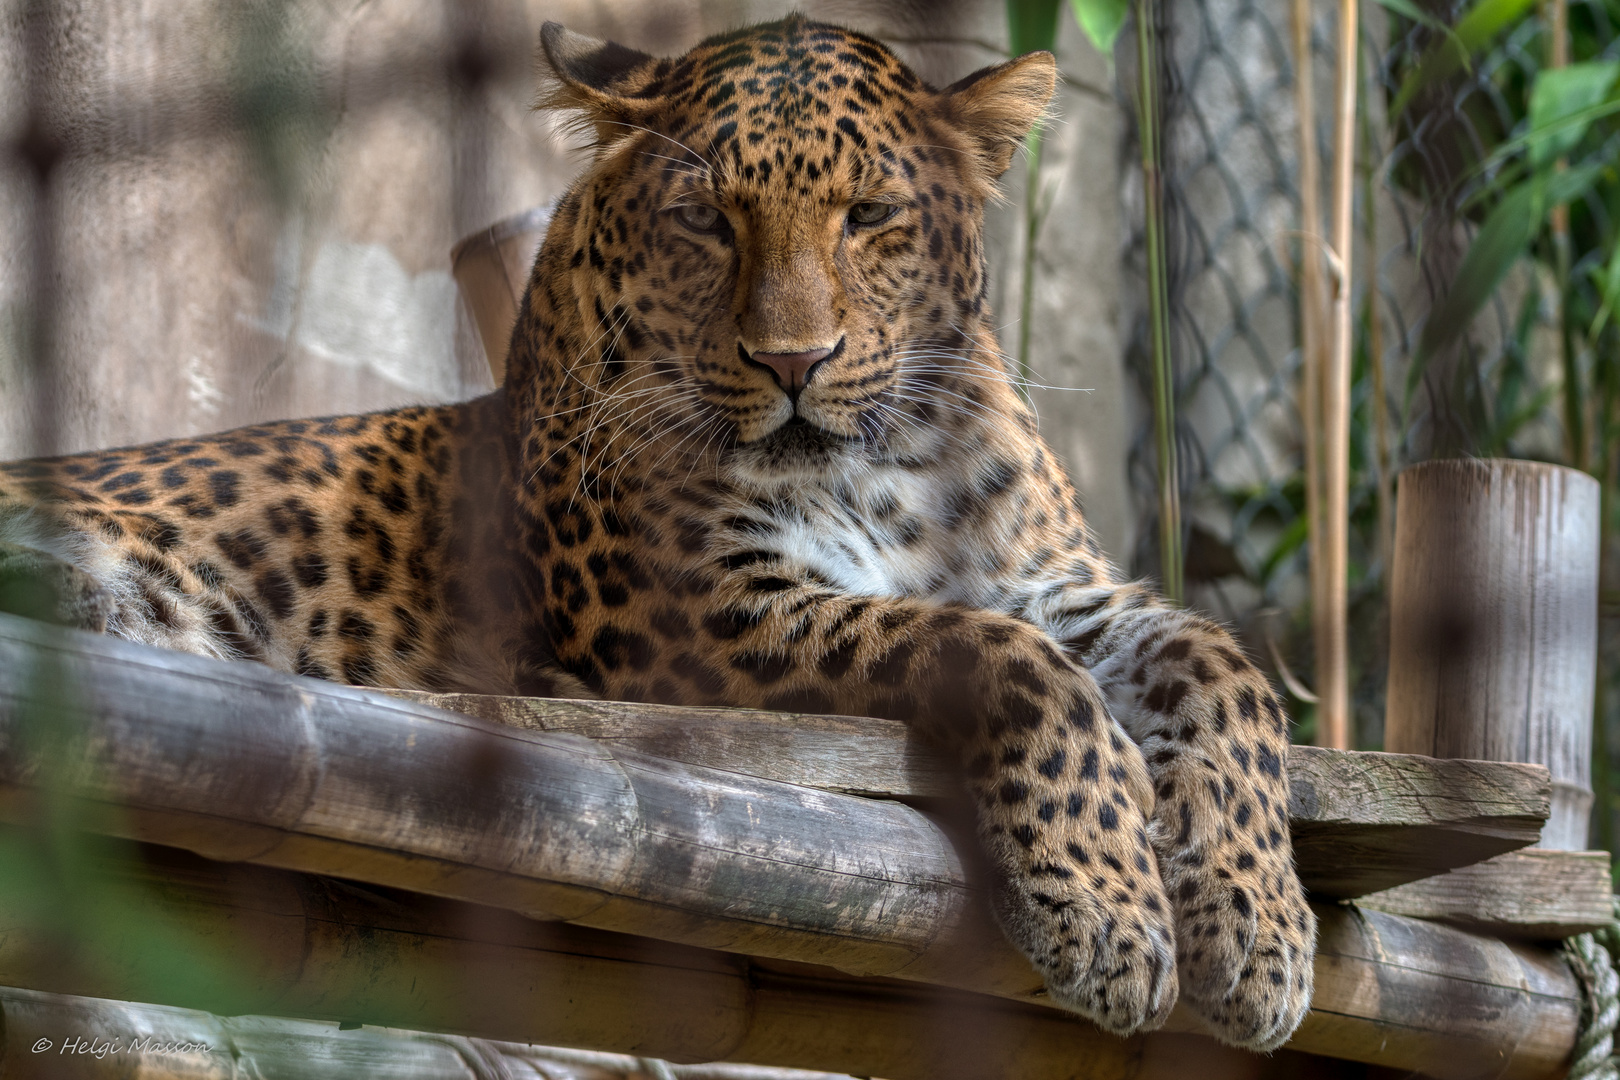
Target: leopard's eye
871	213
700	217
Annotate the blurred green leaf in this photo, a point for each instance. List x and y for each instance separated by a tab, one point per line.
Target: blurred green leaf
1474	31
1557	103
1103	19
1408	10
1500	242
1607	280
1032	25
1292	539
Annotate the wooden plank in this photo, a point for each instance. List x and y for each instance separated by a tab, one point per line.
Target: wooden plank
1364	821
1536	893
1392	991
856	755
1361	821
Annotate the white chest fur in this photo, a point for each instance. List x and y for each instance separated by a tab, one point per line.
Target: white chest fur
884	531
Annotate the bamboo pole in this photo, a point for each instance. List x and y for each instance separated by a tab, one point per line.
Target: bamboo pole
1312	319
1333	681
1149	130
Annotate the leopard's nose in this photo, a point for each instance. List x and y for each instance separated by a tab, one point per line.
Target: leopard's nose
793	370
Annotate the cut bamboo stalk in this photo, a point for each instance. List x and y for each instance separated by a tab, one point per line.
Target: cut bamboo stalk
1333	689
1493	622
1390	991
491	268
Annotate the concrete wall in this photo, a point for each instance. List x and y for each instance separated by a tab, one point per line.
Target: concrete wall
199	289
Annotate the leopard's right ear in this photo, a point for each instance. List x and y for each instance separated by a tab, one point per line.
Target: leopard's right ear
601	80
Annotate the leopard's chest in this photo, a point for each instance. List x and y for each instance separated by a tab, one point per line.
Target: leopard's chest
886	532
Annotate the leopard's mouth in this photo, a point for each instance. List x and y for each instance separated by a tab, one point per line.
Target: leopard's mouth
803	437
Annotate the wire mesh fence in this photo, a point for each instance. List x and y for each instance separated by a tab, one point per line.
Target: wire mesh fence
1425	181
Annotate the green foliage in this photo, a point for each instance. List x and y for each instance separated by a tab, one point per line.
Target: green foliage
1032	25
1500	243
1102	21
1563	105
1473	32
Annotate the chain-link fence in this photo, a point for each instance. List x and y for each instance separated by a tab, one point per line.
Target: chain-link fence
1424	182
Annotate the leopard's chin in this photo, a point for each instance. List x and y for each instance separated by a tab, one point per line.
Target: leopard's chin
796	451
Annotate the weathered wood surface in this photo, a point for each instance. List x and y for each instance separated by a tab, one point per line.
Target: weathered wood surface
66	1037
1535	893
1361	821
1393	991
296	945
240	762
1366	821
1493	622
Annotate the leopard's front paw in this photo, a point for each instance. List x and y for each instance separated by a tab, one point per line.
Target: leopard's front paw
1104	952
1246	943
41	586
1063	815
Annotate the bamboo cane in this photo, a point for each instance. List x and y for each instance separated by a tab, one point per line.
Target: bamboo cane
1164	384
1333	689
1311	317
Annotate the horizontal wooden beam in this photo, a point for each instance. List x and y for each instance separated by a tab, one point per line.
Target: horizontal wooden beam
235	761
144	923
1362	822
1536	893
236	938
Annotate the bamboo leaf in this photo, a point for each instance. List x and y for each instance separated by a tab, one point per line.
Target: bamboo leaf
1408	10
1607	280
1561	96
1497	246
1580	118
1474	31
1102	20
1032	25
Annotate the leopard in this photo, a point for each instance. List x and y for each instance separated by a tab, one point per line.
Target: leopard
756	446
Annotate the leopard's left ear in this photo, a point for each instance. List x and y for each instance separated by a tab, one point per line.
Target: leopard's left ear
599	79
996	106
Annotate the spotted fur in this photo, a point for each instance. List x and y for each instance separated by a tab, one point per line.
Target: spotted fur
658	507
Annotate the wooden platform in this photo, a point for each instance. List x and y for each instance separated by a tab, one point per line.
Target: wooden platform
733	836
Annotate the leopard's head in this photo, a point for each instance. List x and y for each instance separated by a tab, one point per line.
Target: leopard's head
778	247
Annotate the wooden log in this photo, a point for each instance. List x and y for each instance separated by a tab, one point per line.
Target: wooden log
175	929
490	267
66	1037
1493	622
315	777
1535	893
1413	995
1361	821
297	945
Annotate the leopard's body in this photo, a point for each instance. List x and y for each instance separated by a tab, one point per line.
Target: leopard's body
756	447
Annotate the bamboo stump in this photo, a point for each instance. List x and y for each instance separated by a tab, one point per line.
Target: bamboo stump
1493	623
